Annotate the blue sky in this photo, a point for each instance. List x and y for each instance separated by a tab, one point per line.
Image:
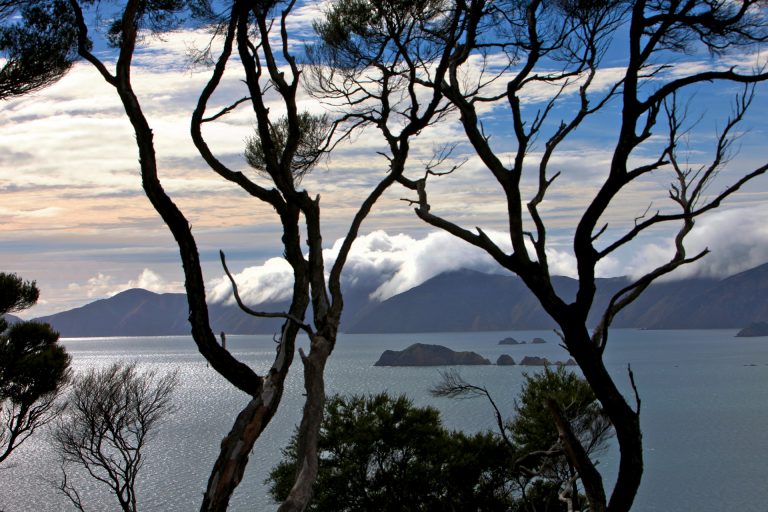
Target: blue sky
74	217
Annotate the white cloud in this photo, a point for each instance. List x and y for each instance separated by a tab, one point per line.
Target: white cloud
391	264
271	281
737	240
100	285
149	280
417	260
104	285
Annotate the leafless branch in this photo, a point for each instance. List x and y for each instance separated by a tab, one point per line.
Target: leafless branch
306	328
452	385
225	110
634	388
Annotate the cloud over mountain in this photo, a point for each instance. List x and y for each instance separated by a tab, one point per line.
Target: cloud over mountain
388	264
737	239
392	264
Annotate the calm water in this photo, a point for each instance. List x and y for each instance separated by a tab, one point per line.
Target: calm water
704	414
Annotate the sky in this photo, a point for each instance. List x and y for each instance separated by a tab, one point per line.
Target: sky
73	216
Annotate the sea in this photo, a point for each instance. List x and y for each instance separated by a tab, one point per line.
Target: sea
704	414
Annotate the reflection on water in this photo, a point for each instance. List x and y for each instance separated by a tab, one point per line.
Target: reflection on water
705	413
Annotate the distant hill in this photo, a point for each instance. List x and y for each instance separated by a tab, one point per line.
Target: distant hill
463	300
732	302
466	300
138	312
133	312
11	319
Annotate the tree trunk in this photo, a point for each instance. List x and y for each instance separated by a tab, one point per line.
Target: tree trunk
626	423
309	429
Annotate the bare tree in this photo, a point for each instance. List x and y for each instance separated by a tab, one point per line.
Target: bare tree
499	51
284	148
34	368
112	415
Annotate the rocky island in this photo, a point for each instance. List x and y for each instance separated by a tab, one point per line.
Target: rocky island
535	361
512	341
421	354
505	360
754	330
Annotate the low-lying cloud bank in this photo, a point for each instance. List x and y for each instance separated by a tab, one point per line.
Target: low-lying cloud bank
736	238
392	264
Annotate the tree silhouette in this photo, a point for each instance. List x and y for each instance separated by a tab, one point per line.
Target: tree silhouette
482	58
284	148
112	415
37	42
34	368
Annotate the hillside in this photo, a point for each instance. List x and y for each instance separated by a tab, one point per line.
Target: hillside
463	300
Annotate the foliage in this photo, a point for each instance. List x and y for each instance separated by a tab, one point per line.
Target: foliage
532	428
382	453
313	131
540	495
34	368
37	40
112	415
32	364
16	294
534	433
355	34
542	471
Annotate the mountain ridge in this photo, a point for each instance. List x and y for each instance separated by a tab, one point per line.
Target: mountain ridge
461	300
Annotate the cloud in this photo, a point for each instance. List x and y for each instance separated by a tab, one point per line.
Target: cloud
104	285
100	285
393	264
417	260
389	264
269	282
737	240
32	213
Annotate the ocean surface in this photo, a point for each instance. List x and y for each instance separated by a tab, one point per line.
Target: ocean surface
704	414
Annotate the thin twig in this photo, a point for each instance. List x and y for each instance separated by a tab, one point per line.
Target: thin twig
225	110
634	388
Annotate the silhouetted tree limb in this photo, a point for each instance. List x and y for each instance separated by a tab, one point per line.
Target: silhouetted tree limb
37	45
563	44
252	312
34	368
112	414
